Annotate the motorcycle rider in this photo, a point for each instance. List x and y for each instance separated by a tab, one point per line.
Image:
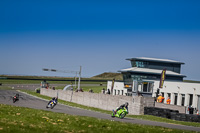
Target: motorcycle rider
121	107
54	99
16	96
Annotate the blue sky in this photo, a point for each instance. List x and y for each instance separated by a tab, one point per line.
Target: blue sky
98	35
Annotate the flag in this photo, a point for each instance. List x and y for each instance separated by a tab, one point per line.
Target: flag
113	81
162	78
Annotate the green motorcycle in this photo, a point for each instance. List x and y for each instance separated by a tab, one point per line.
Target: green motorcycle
120	113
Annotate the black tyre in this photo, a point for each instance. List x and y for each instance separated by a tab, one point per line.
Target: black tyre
52	106
14	100
122	115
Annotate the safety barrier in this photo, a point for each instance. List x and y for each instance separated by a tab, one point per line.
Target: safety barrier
171	114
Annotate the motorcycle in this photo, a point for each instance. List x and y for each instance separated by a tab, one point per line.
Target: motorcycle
15	98
51	104
120	113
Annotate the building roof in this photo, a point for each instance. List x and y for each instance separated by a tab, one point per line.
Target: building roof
155	60
150	71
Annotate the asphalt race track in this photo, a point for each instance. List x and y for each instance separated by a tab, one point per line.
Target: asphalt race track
37	103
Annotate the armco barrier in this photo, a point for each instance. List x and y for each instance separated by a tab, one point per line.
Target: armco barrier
171	114
102	101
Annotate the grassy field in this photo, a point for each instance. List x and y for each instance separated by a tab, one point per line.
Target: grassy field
5	88
18	81
142	117
5	79
26	120
96	89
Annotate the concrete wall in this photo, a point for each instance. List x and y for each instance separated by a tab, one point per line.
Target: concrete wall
102	101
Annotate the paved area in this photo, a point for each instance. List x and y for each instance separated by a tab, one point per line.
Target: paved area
37	103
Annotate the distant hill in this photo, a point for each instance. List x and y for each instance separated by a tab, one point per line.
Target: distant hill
191	81
109	75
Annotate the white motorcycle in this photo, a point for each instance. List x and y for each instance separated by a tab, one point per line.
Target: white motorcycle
51	104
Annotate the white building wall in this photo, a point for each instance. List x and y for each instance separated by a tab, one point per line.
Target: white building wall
118	86
168	87
180	88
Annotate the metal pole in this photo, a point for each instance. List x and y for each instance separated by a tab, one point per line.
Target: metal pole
79	80
75	80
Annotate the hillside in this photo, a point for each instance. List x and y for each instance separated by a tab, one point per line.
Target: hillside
109	75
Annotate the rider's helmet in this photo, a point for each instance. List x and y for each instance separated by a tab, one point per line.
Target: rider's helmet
126	104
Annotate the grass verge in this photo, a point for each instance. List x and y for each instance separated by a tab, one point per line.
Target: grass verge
19	81
96	89
5	88
26	120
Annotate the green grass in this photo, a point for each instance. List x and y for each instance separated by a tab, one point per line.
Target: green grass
142	117
6	79
165	120
18	81
96	89
13	81
26	120
5	88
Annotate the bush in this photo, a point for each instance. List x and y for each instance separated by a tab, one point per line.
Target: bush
37	90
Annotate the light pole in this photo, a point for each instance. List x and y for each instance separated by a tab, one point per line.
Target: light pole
79	79
79	72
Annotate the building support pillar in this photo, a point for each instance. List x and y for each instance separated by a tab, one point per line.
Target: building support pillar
165	96
179	99
194	102
187	99
172	98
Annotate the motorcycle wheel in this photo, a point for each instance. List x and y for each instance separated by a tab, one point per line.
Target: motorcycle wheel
122	115
52	106
14	100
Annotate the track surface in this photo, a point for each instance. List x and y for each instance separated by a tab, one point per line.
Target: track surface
37	103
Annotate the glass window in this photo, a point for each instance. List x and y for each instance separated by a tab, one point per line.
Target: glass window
142	64
183	99
191	99
169	95
133	63
145	86
176	98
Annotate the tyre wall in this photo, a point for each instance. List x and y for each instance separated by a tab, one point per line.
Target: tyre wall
171	114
